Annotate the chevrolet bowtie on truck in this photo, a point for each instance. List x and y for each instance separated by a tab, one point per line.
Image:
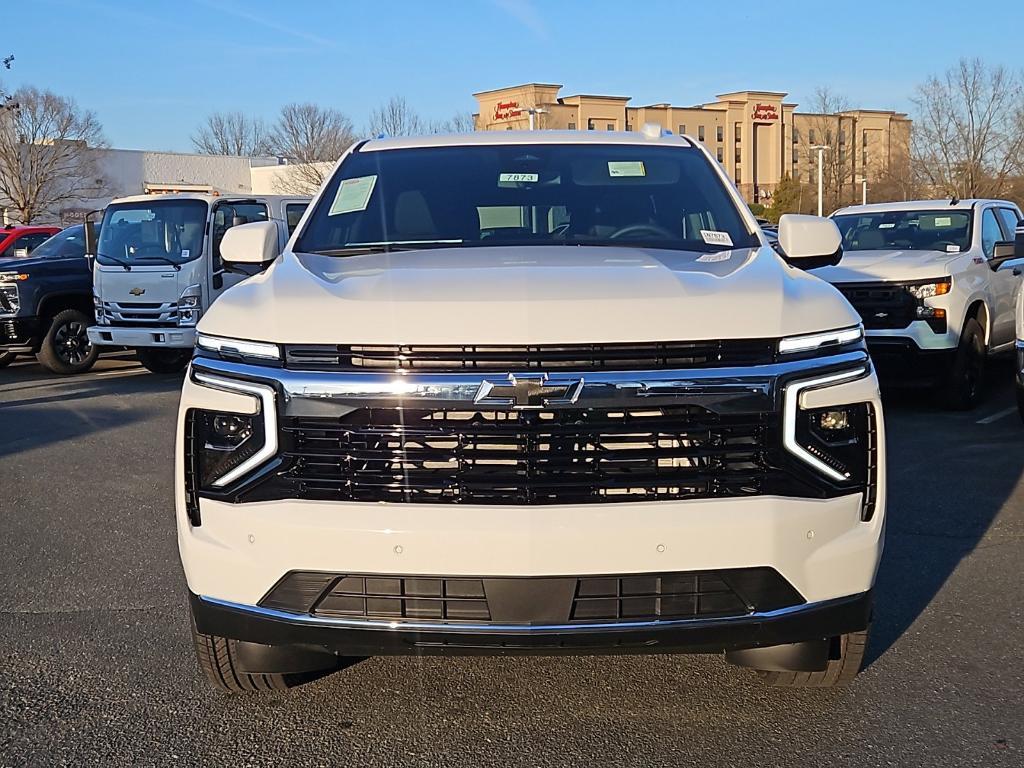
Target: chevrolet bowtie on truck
158	267
46	304
542	392
935	282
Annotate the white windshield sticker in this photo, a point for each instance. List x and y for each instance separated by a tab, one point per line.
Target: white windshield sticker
713	257
713	237
890	225
184	253
952	249
353	195
943	221
517	177
626	168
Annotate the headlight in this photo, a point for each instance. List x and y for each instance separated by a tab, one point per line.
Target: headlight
813	341
190	305
13	277
10	300
226	347
929	290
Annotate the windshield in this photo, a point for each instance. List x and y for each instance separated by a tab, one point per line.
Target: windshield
66	244
152	232
546	194
934	230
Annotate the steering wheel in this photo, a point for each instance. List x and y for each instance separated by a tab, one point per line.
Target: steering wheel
633	229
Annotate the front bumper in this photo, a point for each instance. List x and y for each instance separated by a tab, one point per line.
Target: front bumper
21	334
170	338
811	621
902	359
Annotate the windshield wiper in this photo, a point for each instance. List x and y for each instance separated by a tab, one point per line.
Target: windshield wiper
165	260
125	264
357	249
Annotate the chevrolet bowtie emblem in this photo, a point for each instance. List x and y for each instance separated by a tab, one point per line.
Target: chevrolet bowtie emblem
137	291
524	391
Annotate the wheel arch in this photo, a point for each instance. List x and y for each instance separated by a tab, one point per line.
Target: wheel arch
53	303
978	310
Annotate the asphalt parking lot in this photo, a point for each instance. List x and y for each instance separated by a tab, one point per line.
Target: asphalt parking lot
100	670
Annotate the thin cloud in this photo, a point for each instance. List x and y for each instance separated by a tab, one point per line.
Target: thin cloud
526	14
238	13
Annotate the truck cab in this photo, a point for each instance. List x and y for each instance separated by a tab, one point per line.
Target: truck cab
157	267
21	241
935	283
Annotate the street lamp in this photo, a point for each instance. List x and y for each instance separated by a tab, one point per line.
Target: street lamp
863	190
821	149
531	111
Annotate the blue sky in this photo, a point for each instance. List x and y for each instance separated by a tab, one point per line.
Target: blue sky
152	71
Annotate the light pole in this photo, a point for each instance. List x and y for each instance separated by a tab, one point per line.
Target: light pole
821	149
863	190
531	111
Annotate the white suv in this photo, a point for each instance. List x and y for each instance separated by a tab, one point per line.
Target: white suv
530	393
935	283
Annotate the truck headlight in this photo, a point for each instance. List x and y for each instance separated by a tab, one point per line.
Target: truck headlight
10	300
810	342
190	305
238	348
922	291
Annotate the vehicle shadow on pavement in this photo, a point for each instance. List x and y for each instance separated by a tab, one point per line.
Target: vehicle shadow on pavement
934	521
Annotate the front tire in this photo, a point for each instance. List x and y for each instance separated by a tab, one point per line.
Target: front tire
157	360
6	358
839	672
218	662
66	349
964	385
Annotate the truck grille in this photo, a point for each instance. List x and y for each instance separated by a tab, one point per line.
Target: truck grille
881	305
563	599
578	357
523	457
155	315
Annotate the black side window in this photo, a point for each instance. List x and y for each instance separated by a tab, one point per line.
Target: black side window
228	215
293	213
1008	218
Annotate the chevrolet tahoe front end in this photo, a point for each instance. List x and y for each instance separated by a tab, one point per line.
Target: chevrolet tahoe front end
667	442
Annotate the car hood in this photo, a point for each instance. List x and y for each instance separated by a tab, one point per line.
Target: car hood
15	264
873	266
527	295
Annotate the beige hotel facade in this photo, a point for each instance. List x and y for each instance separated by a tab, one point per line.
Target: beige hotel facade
757	135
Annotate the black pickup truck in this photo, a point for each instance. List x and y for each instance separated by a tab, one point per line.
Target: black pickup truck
46	305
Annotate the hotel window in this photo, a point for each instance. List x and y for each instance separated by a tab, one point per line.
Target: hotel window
738	176
865	138
590	124
721	155
720	133
629	126
811	137
738	155
700	132
572	126
682	128
611	126
842	136
737	131
796	138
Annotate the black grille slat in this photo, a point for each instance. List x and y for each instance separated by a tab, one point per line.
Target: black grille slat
624	356
535	457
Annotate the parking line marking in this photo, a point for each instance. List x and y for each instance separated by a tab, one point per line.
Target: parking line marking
997	415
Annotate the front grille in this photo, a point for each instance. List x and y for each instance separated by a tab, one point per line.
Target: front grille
881	305
524	457
525	600
577	357
10	302
150	314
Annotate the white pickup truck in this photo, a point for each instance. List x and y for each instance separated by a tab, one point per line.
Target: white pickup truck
935	282
538	392
157	267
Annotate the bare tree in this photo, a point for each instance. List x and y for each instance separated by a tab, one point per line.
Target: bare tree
969	129
460	122
47	154
232	133
395	118
834	130
310	137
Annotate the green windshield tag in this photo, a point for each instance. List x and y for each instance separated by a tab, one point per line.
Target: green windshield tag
353	195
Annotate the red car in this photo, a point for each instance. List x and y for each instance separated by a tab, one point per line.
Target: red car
13	238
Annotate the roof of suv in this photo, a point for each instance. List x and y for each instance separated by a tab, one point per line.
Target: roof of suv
521	137
918	205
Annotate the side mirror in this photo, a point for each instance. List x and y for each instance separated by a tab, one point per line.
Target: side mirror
249	248
90	237
809	242
1004	250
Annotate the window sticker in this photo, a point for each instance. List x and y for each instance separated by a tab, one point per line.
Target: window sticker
713	257
184	253
353	195
505	178
943	221
889	225
626	168
713	237
952	249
